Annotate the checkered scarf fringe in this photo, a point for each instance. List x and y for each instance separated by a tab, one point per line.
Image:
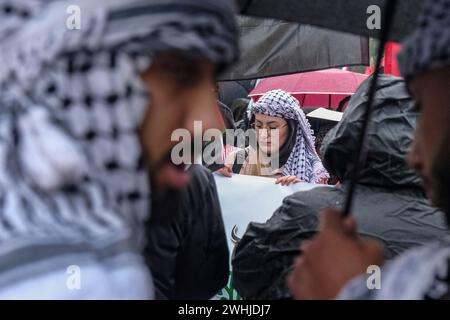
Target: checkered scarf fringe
428	48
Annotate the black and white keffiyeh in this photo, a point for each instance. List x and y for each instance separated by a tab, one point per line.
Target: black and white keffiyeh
418	274
303	162
72	177
428	47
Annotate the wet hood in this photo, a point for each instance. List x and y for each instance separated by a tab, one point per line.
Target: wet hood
390	136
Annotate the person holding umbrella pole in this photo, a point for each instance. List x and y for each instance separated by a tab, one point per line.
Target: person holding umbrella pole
335	263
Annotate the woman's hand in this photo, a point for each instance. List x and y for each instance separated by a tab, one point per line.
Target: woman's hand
287	180
226	171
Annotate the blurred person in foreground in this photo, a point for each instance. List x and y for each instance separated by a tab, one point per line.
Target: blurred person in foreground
86	113
335	262
187	247
390	204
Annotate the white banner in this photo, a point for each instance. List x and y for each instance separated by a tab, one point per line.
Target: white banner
246	199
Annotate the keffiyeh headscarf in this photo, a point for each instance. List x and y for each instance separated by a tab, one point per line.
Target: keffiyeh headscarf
72	177
303	162
428	48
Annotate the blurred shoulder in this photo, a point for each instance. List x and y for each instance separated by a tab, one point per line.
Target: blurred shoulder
201	178
312	201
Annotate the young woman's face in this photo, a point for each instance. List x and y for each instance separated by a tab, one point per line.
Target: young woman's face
272	133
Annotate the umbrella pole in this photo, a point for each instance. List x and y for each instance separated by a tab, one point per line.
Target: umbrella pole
361	154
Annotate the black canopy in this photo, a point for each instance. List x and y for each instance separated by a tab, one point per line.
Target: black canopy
343	15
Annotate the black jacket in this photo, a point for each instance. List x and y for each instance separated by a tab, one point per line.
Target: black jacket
227	115
187	248
389	203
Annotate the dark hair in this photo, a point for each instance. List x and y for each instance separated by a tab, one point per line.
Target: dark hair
239	108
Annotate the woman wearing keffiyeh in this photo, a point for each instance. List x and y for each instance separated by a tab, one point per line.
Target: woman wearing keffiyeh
78	109
284	134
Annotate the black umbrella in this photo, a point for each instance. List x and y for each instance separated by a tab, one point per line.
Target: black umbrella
272	47
360	156
343	15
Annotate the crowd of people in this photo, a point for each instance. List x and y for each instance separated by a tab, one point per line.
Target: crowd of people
390	205
93	207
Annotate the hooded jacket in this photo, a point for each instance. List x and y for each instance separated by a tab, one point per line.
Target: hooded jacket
389	203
